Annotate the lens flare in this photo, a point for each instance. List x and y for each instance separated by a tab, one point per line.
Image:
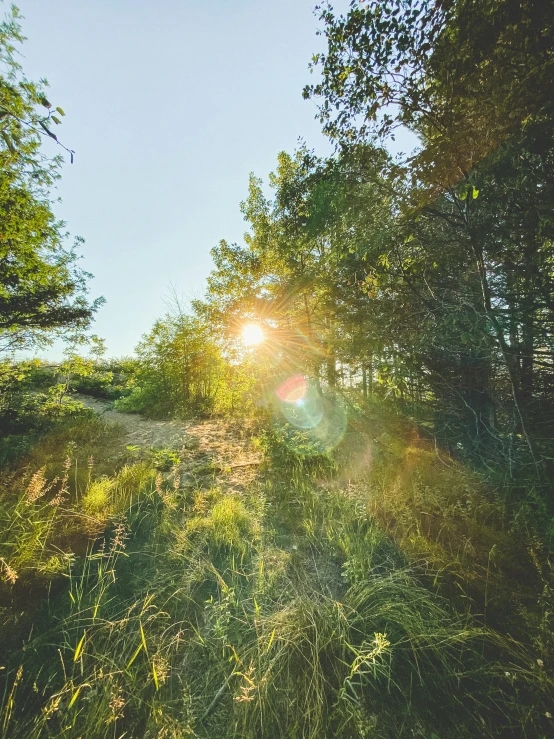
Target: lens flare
300	402
332	427
293	389
322	416
252	335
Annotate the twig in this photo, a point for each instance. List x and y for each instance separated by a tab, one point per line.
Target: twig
217	698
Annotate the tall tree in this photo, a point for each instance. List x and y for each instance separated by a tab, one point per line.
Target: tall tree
464	74
42	288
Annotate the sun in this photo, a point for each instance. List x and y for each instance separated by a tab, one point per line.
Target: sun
252	335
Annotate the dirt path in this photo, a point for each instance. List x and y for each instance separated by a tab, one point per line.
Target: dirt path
223	448
139	431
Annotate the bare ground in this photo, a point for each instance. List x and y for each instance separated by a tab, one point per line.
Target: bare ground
223	447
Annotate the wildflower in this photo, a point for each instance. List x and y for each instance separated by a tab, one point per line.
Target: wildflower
9	573
381	643
58	499
63	487
247	689
159	483
120	535
548	714
167	497
53	484
169	501
36	487
161	667
174	474
53	706
117	704
540	663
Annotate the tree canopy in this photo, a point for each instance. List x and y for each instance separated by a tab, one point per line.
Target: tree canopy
42	288
463	74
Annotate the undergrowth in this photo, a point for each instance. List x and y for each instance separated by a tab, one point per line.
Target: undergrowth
359	593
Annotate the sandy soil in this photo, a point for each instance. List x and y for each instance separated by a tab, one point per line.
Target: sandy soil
223	447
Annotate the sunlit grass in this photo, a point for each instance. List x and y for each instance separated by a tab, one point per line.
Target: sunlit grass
299	605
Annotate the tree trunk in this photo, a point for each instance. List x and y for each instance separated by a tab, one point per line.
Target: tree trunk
507	353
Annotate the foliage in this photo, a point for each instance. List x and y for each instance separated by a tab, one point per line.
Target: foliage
184	369
34	395
42	288
462	282
447	308
464	75
296	452
164	459
391	578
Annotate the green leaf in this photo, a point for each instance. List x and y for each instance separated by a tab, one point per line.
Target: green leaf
79	648
143	638
475	193
8	141
135	655
60	111
56	120
75	696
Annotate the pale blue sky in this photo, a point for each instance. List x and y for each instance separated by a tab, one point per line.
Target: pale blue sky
169	105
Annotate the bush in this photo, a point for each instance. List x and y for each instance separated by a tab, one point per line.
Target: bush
138	401
296	452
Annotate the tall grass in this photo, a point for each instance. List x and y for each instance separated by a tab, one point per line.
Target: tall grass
303	606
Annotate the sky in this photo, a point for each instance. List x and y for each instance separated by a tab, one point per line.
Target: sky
169	106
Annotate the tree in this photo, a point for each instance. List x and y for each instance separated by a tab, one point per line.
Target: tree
42	289
300	269
464	74
473	240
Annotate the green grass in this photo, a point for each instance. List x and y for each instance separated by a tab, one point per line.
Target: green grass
345	595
